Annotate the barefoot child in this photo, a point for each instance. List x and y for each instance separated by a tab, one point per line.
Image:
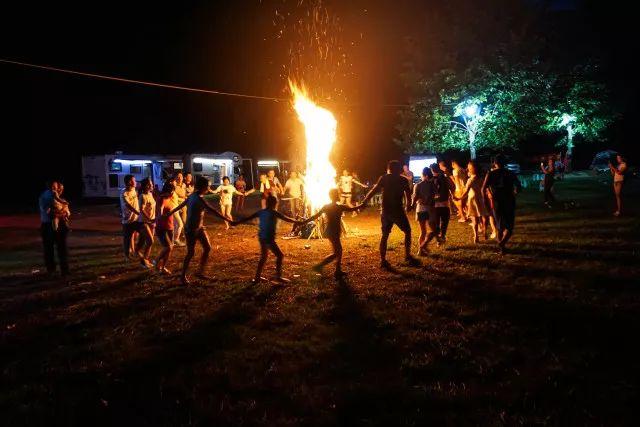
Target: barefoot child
194	227
226	191
164	228
333	214
268	218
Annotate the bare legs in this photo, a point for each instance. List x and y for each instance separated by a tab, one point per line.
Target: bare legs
265	247
336	245
145	243
201	236
617	189
226	212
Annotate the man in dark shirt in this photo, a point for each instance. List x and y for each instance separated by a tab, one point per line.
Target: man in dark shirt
395	188
503	185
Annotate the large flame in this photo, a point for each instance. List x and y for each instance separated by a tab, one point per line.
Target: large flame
320	133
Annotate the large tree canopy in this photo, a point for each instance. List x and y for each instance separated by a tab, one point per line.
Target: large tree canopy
499	108
478	108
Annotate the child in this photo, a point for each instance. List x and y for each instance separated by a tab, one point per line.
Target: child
164	228
268	218
333	214
194	229
60	208
147	221
227	191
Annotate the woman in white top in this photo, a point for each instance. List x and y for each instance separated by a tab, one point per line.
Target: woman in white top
147	220
476	208
618	180
459	180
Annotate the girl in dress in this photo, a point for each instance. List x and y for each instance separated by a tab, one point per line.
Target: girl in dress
459	177
477	210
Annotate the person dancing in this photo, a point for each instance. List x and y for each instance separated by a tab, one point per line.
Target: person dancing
618	173
477	210
395	189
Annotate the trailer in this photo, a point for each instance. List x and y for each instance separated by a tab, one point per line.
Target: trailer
215	166
103	175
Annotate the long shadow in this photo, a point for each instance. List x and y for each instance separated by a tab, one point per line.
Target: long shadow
174	358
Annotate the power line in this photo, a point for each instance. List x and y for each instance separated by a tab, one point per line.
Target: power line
163	85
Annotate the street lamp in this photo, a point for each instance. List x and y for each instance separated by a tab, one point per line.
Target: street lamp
471	111
567	122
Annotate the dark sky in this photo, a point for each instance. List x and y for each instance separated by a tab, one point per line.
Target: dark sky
233	46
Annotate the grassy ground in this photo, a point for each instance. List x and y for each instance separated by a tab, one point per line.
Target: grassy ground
544	335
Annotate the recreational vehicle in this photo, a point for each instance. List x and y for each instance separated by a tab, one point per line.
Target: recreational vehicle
216	166
103	175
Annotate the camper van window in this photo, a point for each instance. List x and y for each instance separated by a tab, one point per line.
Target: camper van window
115	167
135	169
177	165
197	167
113	180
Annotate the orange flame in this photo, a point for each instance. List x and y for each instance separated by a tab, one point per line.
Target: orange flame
320	133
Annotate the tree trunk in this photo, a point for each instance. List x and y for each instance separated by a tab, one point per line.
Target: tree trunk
472	147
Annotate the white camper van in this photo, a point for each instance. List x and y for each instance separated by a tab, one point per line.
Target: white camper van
103	175
216	166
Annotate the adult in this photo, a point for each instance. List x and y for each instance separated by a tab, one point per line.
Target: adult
147	220
188	184
477	210
130	209
503	185
294	188
345	184
618	173
549	172
440	213
423	202
395	190
52	240
559	166
406	172
274	182
179	196
459	177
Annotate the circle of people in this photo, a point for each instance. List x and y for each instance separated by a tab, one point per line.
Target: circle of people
176	215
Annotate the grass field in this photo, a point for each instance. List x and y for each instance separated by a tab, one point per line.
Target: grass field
547	334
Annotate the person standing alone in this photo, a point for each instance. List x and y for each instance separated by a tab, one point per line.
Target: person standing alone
52	238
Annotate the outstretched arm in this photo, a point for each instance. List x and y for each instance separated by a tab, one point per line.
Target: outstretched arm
289	219
245	219
359	183
176	209
213	210
372	192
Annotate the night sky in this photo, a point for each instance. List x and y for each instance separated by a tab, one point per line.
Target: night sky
51	119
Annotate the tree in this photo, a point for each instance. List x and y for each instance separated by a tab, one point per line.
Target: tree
475	109
579	108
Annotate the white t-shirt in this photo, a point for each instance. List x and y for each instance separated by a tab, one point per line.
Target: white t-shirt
226	194
131	197
294	187
148	206
180	192
346	183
